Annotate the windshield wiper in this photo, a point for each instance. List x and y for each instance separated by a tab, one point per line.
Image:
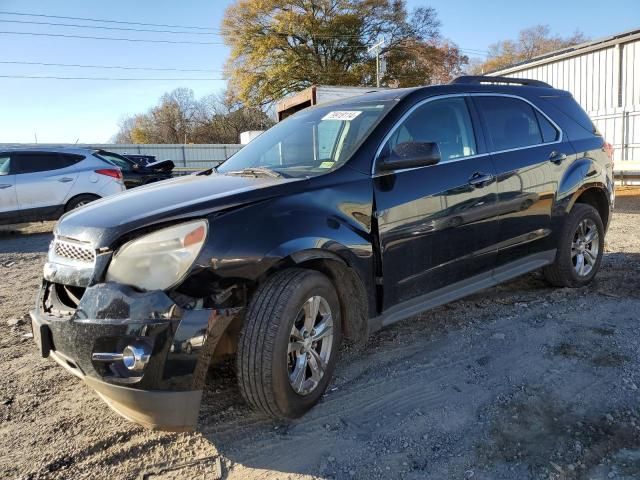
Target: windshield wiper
257	171
207	172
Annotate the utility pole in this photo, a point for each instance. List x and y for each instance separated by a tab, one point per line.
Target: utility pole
377	49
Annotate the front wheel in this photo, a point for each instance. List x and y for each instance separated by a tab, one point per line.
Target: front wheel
289	343
580	249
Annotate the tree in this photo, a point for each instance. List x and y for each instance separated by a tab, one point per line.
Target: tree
180	117
531	42
279	47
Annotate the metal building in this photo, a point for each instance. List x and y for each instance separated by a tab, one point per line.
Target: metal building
604	77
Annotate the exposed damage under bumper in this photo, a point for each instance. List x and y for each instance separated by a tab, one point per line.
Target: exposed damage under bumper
163	390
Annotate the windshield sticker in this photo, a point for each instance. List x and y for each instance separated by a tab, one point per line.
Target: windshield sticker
326	164
344	115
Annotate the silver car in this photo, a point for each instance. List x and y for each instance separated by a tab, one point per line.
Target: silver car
42	184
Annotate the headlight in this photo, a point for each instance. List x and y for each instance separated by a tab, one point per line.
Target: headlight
159	260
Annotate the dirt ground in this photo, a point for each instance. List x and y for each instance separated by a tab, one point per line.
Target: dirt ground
518	382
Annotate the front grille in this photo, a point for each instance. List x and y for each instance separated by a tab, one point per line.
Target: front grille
72	251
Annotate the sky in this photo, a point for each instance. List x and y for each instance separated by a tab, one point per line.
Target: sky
84	111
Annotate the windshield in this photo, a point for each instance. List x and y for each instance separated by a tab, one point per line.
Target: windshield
310	143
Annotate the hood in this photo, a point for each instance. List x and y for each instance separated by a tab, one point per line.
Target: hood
102	222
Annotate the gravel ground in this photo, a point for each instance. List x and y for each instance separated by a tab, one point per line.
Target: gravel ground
521	381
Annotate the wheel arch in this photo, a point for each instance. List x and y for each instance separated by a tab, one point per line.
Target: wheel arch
597	197
347	281
350	288
70	200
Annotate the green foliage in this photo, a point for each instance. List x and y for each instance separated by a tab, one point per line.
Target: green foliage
279	47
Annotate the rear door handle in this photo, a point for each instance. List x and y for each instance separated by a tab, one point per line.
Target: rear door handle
479	180
557	157
5	185
65	179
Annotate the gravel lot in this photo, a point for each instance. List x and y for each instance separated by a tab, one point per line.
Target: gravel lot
521	381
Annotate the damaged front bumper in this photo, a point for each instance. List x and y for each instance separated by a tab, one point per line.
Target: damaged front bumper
163	390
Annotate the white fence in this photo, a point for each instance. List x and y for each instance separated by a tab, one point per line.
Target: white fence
185	156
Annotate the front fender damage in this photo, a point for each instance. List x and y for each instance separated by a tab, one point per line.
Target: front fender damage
173	410
180	342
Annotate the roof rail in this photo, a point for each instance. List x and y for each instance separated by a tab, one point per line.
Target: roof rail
478	79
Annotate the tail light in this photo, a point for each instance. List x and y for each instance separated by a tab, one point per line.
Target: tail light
111	172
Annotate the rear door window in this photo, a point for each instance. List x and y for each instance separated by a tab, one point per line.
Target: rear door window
512	123
38	162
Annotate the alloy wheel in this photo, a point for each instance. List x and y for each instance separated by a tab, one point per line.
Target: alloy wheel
585	247
310	345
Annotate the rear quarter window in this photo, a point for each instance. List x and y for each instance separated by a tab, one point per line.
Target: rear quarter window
69	159
570	108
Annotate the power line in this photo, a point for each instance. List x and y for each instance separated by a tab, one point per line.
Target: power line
138	40
148	79
114	67
205	29
104	20
145	40
48	77
87	37
102	27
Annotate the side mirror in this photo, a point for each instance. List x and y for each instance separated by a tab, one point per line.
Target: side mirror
410	155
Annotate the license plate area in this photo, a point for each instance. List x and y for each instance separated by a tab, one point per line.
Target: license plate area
41	336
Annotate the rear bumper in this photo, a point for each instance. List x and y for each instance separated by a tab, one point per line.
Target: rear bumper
166	393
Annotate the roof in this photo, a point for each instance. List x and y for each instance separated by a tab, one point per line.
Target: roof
40	148
624	37
433	90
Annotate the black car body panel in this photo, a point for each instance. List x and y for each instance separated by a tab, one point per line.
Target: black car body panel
141	159
136	174
394	242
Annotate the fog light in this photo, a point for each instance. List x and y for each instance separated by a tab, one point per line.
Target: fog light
135	358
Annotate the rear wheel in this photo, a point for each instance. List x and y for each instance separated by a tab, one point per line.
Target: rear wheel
580	249
80	201
289	343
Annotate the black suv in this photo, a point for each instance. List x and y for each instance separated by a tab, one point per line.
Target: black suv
342	219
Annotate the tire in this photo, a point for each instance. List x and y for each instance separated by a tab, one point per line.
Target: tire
80	201
564	271
264	359
188	349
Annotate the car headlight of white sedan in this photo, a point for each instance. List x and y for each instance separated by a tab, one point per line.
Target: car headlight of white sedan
161	259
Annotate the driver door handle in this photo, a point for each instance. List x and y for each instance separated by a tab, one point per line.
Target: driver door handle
479	179
557	157
65	179
5	185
